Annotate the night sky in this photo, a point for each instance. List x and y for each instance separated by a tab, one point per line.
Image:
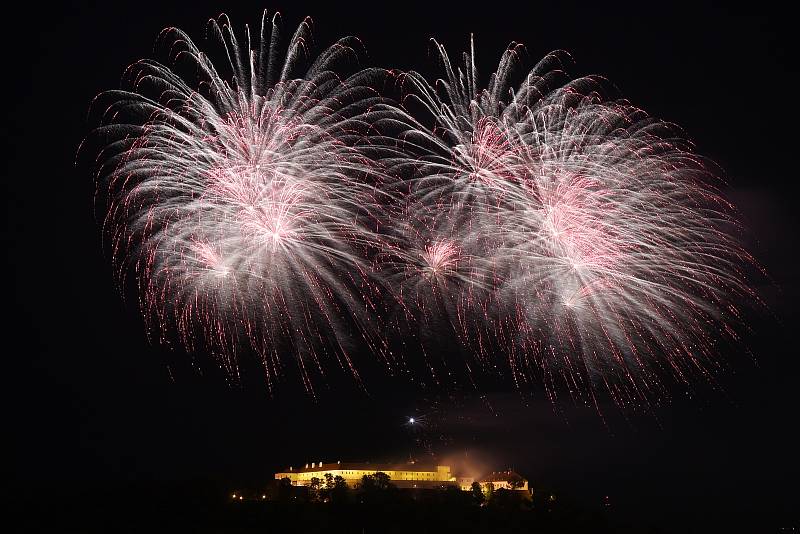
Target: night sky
88	403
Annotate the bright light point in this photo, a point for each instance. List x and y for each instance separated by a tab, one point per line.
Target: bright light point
411	420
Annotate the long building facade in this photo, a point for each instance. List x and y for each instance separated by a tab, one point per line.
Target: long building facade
409	475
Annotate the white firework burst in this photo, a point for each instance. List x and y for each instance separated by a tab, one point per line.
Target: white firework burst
242	202
613	256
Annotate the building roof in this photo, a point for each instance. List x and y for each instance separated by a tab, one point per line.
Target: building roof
361	466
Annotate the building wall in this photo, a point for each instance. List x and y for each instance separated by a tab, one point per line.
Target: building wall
352	476
400	477
503	484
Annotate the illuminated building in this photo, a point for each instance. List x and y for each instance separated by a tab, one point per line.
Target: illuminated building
465	483
408	475
503	480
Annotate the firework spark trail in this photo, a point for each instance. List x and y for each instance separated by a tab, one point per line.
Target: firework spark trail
241	203
612	254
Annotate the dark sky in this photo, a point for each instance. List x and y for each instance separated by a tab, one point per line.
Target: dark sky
88	402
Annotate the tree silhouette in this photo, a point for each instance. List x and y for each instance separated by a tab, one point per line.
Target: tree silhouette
382	481
326	487
376	488
339	493
284	492
314	489
488	490
477	493
515	481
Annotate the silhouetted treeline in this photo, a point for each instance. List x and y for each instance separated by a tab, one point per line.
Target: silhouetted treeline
376	505
209	507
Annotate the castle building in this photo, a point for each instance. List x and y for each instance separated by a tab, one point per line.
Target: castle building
408	475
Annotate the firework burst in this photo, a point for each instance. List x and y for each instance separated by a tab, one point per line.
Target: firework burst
609	254
241	202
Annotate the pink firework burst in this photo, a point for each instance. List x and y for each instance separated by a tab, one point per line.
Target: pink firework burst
241	204
608	253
